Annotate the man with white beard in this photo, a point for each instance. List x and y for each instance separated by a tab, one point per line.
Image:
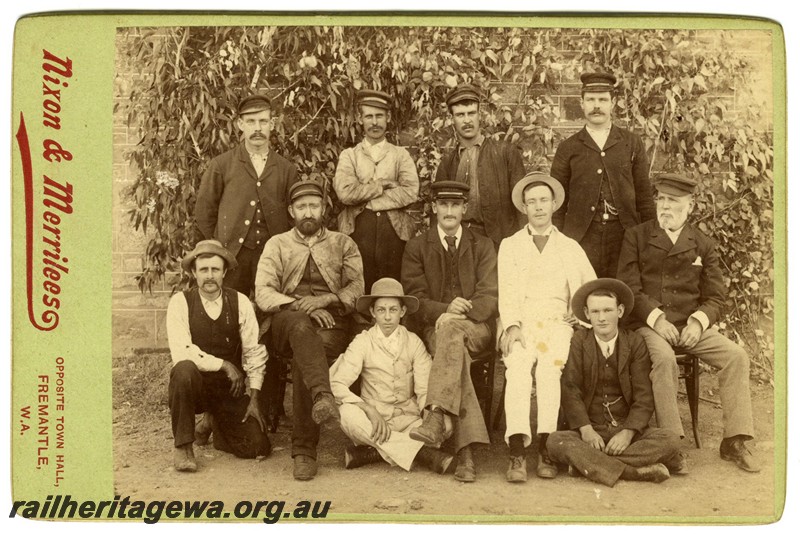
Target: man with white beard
674	272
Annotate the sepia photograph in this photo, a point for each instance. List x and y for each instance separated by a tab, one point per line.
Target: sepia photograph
466	265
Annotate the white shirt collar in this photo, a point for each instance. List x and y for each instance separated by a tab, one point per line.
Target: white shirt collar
673	235
604	345
442	235
549	231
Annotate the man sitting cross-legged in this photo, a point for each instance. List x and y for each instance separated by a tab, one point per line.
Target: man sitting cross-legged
607	397
393	366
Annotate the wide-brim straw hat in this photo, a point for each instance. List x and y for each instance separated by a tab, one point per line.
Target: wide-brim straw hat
533	177
209	246
386	287
619	288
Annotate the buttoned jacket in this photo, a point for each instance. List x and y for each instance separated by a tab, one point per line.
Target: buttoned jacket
424	275
500	166
679	279
356	185
230	191
581	375
579	164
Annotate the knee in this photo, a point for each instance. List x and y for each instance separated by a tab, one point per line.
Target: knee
300	324
183	373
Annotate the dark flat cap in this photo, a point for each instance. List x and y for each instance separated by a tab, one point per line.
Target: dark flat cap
304	187
676	184
377	99
598	82
449	189
463	92
254	104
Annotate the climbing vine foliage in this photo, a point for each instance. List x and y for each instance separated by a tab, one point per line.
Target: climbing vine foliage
694	98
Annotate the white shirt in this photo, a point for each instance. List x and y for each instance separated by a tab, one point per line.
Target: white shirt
547	231
607	347
442	236
254	355
375	150
259	161
599	136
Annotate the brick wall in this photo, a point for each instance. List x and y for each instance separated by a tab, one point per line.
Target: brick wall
138	318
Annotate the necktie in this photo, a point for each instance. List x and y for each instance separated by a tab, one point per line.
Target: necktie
539	241
608	351
451	244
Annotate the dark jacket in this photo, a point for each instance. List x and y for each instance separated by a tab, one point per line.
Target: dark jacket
423	275
229	194
499	168
623	160
581	374
679	279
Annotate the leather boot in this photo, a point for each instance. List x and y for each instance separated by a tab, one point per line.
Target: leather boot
183	459
358	455
324	408
465	465
202	430
734	450
545	468
431	431
435	460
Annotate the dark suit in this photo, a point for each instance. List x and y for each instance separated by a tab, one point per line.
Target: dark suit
580	165
579	383
500	166
230	193
424	275
681	280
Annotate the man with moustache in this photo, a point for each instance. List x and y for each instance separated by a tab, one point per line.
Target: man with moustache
376	180
539	270
243	193
605	173
213	341
453	272
490	168
674	272
307	283
607	397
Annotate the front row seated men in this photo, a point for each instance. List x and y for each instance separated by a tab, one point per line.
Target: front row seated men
307	283
674	272
393	366
213	341
539	270
607	397
452	270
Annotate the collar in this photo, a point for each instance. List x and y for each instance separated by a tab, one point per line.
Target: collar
673	235
216	301
478	143
262	155
370	146
310	240
549	231
612	343
459	232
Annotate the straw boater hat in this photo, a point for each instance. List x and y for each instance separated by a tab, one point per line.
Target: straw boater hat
620	289
386	287
209	246
533	177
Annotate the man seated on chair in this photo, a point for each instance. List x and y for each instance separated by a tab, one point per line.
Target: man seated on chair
674	272
394	366
607	397
307	283
453	272
539	270
213	341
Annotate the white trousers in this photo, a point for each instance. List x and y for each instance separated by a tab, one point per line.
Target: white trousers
399	449
546	342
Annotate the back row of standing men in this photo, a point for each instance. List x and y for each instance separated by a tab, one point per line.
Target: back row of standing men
309	280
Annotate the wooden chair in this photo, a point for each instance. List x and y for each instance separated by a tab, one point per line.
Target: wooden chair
482	373
689	368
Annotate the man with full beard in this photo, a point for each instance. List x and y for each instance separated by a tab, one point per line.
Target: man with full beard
244	192
674	272
307	283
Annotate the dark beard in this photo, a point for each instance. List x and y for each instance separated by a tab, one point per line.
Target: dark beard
309	227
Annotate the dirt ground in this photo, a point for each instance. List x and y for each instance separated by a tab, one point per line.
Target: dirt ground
714	490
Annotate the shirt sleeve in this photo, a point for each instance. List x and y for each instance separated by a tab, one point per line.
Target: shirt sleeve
702	318
653	317
346	370
180	337
254	355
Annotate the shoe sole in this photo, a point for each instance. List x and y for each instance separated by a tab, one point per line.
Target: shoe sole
735	460
419	437
324	414
516	480
545	474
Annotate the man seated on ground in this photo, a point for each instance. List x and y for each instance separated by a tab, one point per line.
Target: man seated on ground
213	341
674	272
539	270
607	397
307	283
453	272
393	366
